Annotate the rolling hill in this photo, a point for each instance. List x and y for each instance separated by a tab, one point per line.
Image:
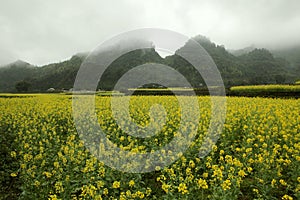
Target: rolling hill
252	66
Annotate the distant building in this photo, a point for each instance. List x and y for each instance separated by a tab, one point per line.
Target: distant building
51	90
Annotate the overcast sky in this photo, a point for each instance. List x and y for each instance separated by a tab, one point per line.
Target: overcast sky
42	32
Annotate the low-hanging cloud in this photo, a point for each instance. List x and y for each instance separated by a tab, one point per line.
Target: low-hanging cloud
41	32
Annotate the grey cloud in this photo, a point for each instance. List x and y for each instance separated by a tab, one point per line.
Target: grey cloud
41	32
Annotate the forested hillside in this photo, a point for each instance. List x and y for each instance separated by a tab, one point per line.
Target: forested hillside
252	66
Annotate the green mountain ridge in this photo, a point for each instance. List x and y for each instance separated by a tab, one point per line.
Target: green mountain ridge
258	66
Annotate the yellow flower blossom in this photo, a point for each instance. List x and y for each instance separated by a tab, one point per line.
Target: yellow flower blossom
116	184
226	185
182	188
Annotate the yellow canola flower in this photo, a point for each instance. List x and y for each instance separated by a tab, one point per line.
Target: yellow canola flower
53	197
131	183
13	154
165	187
116	184
287	197
202	184
226	185
242	173
182	188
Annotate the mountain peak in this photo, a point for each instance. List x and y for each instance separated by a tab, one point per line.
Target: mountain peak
201	39
239	52
19	63
81	54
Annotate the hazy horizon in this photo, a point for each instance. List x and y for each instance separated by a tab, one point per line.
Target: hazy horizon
51	31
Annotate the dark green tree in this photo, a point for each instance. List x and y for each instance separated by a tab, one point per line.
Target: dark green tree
22	86
279	79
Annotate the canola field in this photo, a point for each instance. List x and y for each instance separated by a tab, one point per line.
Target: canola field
256	157
266	88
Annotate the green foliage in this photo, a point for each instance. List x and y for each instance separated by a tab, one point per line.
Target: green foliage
279	79
14	73
126	62
260	67
23	86
9	186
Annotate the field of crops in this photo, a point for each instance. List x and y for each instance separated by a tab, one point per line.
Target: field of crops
256	157
267	90
272	88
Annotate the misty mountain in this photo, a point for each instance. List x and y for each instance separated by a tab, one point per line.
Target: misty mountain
253	66
58	75
13	73
258	66
292	55
288	56
127	62
261	67
239	52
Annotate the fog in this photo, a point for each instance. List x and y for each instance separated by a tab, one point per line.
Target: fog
42	32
